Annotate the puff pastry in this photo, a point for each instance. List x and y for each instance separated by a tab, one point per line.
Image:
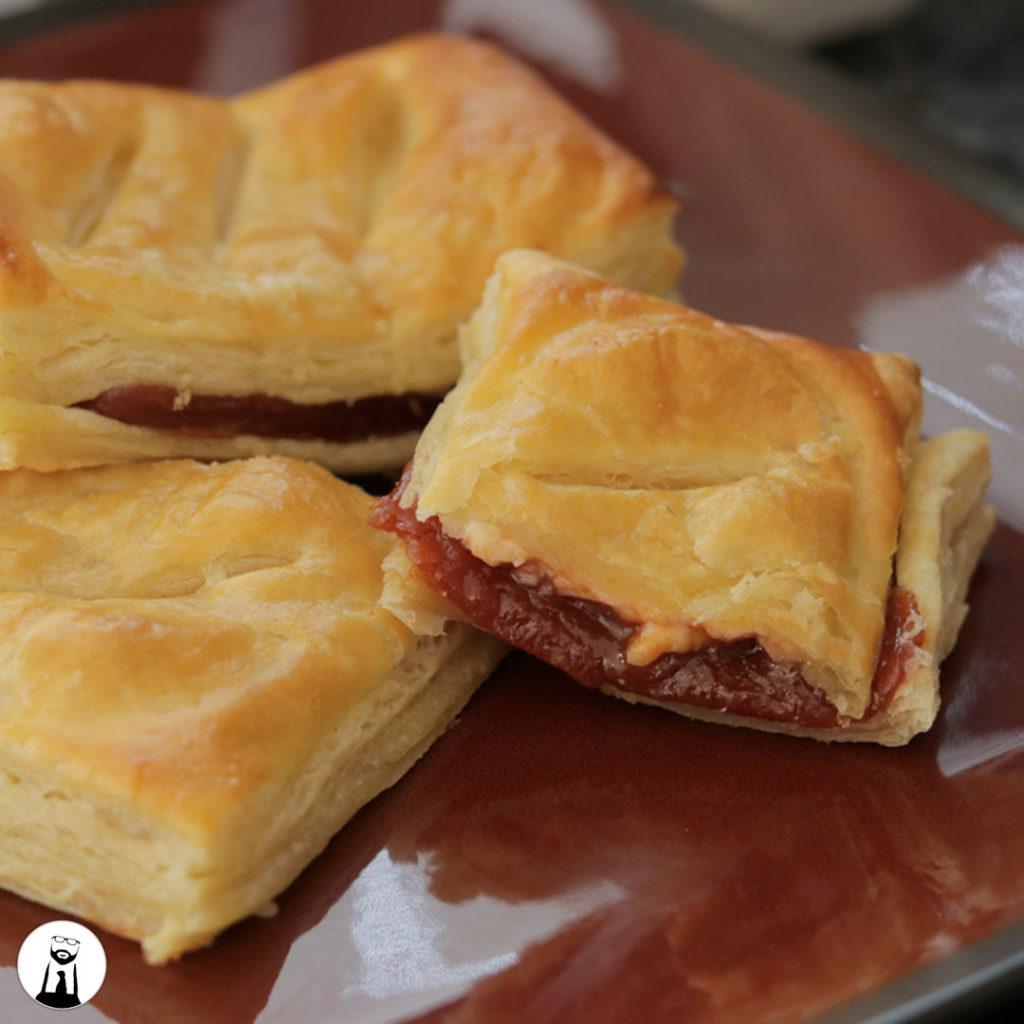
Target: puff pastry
185	276
198	686
732	523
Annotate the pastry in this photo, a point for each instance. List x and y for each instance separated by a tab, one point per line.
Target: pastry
732	523
198	687
284	272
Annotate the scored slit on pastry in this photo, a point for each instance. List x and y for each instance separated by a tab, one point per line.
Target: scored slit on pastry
733	523
198	687
285	271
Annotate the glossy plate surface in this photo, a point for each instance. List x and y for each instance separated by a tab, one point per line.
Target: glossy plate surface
562	857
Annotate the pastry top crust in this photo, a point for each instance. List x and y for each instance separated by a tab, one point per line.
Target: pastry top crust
706	481
182	637
317	239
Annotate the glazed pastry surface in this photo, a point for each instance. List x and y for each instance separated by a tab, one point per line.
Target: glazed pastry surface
198	686
316	240
707	482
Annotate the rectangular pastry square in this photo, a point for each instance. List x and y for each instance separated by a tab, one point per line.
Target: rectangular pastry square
732	523
284	272
198	687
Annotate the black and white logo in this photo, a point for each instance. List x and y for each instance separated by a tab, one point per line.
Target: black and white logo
62	965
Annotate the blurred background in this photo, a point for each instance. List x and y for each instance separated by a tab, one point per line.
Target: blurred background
953	69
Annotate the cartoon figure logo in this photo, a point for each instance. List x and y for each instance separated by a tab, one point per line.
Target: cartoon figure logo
64	951
62	965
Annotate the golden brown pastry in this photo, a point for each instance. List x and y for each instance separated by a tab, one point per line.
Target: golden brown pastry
684	512
198	687
285	272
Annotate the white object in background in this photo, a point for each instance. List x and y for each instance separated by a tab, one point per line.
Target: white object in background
803	22
16	6
571	35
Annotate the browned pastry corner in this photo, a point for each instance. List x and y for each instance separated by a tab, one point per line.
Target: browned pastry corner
736	524
285	271
198	687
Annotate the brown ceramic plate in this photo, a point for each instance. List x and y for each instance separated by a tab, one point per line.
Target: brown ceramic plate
559	856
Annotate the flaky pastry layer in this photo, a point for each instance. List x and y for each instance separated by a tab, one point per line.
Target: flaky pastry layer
198	687
317	240
943	531
707	482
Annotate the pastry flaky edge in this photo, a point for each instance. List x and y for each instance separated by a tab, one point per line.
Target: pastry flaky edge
923	520
943	530
184	724
317	240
